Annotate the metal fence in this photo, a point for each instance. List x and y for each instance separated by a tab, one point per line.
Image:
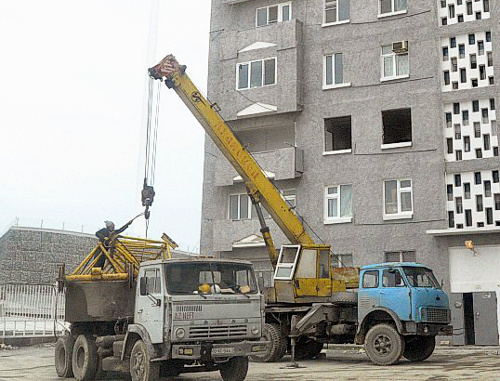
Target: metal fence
31	311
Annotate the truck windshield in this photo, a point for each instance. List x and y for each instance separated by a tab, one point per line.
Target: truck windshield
209	278
420	277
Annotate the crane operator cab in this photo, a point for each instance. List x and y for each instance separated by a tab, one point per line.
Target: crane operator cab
304	273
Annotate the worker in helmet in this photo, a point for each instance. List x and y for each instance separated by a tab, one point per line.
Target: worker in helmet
105	235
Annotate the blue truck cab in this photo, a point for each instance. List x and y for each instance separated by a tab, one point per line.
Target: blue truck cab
401	309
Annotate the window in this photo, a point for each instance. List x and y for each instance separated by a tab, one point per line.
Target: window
387	7
482	72
489	55
446	77
497	201
486	5
153	281
477	178
287	261
486	142
449	145
460	18
488	36
397	126
458	205
446	57
342	260
338	204
456	108
240	207
449	192
336	11
398	199
370	279
489	216
394	65
467	191
256	73
466	144
338	134
453	42
461	51
473	61
480	47
454	64
469	8
487	188
458	180
492	103
477	129
458	155
392	278
479	203
451	11
334	71
465	117
458	133
479	153
475	106
472	39
400	256
448	119
494	175
451	219
484	115
273	14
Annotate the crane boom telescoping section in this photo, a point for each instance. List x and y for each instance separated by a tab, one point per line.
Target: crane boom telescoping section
258	185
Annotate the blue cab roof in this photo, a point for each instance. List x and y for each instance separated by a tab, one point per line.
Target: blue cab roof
393	264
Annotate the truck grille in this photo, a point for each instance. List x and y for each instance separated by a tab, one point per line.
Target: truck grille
436	315
217	331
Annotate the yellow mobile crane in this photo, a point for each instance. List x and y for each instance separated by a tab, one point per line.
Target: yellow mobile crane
294	291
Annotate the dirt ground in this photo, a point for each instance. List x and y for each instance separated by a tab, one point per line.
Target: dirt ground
339	363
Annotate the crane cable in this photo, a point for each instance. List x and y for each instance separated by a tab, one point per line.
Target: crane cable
148	192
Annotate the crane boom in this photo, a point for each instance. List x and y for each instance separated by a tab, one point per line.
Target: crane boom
258	185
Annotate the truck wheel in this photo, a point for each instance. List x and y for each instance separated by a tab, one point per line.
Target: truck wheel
62	357
306	348
384	345
84	358
276	348
419	348
141	367
235	369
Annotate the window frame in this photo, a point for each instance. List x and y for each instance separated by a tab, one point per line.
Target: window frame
249	64
394	64
340	219
239	207
337	14
392	13
280	14
337	151
292	266
400	214
325	74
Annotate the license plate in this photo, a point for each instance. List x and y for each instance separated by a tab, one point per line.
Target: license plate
223	351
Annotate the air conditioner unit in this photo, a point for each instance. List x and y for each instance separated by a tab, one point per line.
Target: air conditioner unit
400	47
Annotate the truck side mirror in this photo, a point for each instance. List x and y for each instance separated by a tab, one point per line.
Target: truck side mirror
143	285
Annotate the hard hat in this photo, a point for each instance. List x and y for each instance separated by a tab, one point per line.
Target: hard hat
204	288
109	224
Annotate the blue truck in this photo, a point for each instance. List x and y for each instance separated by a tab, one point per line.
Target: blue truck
397	311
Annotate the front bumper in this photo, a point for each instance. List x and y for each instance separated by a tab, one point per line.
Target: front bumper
424	329
212	351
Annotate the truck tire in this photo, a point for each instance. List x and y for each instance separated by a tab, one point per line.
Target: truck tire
384	345
84	359
141	367
63	356
277	344
306	348
419	348
344	297
235	369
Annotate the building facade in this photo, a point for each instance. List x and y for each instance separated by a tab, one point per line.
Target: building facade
376	120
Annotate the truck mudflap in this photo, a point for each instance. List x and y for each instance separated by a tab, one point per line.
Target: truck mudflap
207	352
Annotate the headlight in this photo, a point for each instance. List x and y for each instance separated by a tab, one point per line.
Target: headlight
180	333
255	330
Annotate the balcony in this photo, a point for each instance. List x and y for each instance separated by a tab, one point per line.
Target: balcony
282	41
280	164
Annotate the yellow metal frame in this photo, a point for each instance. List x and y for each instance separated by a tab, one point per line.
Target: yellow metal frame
123	253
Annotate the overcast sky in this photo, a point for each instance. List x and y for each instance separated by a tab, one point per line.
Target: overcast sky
72	89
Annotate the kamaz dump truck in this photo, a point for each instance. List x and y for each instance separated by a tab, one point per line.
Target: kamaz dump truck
148	315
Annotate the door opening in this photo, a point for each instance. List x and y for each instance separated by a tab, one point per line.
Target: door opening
470	336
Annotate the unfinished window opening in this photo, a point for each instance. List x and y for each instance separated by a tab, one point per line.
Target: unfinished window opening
397	126
338	134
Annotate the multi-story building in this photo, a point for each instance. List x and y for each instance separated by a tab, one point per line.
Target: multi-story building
376	119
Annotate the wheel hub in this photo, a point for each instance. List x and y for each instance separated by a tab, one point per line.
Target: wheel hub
383	345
